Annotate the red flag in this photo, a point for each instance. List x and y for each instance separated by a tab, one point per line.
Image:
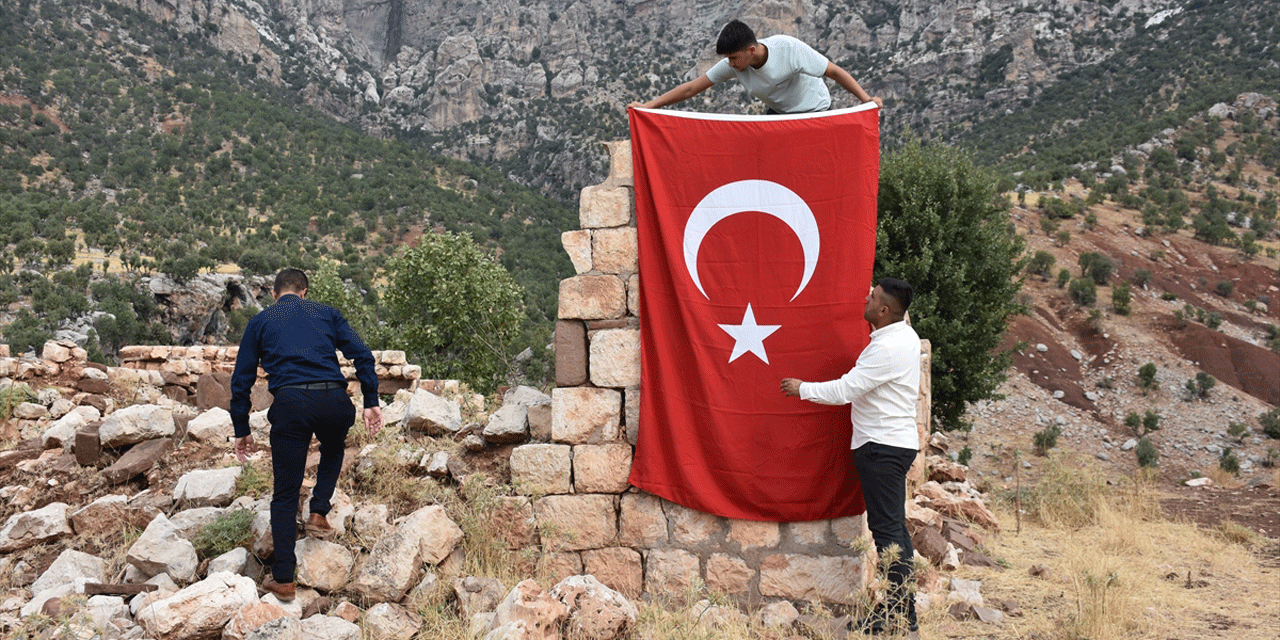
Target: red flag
756	238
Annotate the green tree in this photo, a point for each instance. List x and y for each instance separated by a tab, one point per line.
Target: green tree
1270	423
1146	453
1096	266
1147	377
944	228
454	309
1041	263
1120	299
326	285
1083	292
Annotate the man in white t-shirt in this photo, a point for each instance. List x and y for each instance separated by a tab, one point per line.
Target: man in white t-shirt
783	72
881	390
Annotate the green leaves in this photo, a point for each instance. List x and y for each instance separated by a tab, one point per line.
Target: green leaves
944	228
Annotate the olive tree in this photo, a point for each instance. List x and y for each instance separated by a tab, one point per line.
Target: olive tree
454	309
944	228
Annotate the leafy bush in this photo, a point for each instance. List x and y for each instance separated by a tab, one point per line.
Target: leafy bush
965	455
1270	423
1146	453
944	227
1134	422
1228	461
1168	295
1150	422
1141	277
1147	377
1046	439
1041	263
1083	291
1224	288
1120	299
1199	386
1096	266
1064	277
1237	430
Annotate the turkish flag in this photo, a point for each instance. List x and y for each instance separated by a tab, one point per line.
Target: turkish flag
756	239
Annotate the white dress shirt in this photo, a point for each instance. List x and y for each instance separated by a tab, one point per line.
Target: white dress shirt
882	389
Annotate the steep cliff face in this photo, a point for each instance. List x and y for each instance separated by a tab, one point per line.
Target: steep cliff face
532	85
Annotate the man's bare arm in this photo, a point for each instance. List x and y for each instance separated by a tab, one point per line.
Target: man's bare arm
678	94
845	80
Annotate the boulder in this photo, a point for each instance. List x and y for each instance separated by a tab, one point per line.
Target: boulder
432	414
136	423
104	515
161	550
323	565
392	622
532	610
212	426
250	617
71	564
510	423
596	612
30	528
477	595
200	610
136	460
207	487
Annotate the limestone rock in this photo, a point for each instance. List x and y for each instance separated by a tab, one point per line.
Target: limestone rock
106	514
596	612
30	528
510	423
614	358
541	468
329	628
587	521
71	564
530	606
160	550
213	426
584	415
815	579
323	565
136	423
477	595
250	617
199	610
392	621
207	487
138	459
432	414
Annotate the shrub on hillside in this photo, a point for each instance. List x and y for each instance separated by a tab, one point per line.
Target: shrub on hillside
1046	439
1146	453
1064	277
1270	423
1083	292
1199	386
1041	263
1228	461
1120	299
944	227
1147	377
1096	266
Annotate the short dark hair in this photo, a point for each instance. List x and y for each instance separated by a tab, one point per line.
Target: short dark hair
291	280
899	291
734	37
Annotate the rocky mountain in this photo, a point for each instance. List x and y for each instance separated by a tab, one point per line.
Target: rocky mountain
531	86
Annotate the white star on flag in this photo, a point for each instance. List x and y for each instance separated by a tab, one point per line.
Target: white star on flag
749	336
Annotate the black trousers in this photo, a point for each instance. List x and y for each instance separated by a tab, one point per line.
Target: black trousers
883	472
295	416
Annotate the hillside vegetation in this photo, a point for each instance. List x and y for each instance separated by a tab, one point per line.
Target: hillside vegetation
155	158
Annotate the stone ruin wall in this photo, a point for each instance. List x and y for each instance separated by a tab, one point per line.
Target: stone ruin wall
591	519
573	503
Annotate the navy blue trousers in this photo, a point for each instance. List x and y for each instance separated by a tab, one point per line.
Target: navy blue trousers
295	416
883	472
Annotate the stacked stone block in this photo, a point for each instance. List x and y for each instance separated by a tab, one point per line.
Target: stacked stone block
185	365
589	517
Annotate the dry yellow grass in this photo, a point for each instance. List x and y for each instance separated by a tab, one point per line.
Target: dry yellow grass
1119	571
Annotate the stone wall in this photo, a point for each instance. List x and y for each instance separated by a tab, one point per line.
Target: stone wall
185	366
589	518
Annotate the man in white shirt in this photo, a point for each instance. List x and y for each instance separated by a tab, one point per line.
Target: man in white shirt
783	72
881	390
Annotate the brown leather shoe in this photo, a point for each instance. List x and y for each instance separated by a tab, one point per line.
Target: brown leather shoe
285	591
317	526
